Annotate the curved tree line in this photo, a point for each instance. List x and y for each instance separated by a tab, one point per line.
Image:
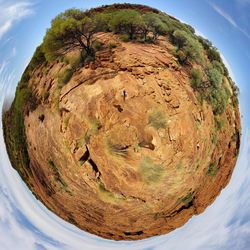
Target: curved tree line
75	28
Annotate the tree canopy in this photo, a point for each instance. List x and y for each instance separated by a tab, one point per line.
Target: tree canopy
76	29
69	30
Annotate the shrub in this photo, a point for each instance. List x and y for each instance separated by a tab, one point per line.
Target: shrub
157	119
187	199
214	75
38	58
196	78
98	45
180	38
112	45
125	38
181	56
75	61
64	77
190	47
220	123
151	173
218	99
212	170
217	65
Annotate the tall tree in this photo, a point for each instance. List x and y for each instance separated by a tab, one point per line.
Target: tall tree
153	23
126	21
69	30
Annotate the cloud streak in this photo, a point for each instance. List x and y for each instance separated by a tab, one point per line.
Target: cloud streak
11	13
229	19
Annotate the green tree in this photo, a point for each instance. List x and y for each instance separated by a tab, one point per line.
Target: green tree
153	23
180	38
126	21
190	46
69	30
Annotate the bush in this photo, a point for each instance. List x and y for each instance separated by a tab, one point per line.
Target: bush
157	119
181	56
220	123
112	46
151	173
38	58
219	66
75	61
64	77
187	199
190	47
125	38
98	45
214	75
212	170
196	78
218	99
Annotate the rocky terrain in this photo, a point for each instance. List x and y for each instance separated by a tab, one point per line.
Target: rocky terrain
125	150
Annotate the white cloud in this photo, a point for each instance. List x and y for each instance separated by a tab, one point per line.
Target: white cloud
229	19
12	12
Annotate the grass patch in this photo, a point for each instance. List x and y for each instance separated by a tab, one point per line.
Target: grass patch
112	46
117	149
56	173
151	173
157	119
179	166
212	170
220	123
75	61
108	196
98	45
214	137
64	77
125	38
187	199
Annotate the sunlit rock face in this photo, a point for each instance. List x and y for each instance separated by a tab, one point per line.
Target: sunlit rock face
125	149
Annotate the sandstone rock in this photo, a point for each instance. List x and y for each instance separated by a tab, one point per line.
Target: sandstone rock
147	168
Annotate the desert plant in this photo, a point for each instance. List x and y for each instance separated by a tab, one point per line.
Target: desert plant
212	170
151	173
125	38
157	119
196	78
70	30
112	46
187	199
75	61
98	45
127	22
64	77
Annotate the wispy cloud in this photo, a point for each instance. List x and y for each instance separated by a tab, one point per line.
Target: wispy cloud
243	2
229	18
12	12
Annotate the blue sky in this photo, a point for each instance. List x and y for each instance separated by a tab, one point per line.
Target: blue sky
26	224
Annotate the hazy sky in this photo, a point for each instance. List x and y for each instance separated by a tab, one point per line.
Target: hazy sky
26	224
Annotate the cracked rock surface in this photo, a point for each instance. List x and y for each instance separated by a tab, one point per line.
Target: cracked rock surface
123	149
